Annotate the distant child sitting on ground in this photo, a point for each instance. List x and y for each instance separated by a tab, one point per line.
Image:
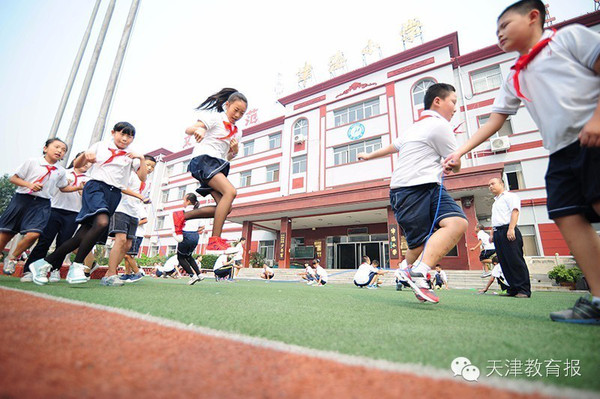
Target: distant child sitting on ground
169	269
224	265
557	78
439	279
496	275
267	272
416	192
308	274
320	273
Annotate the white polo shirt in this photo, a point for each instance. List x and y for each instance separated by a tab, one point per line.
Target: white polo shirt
35	169
220	262
310	270
130	205
442	274
239	255
192	225
117	171
421	150
363	272
322	273
214	143
485	240
503	206
169	265
561	84
70	201
142	213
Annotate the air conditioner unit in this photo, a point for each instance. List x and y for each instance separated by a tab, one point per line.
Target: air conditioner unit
500	144
299	138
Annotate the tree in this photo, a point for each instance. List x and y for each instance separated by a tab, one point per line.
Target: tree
7	189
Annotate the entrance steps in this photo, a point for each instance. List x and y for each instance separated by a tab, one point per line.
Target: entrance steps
457	279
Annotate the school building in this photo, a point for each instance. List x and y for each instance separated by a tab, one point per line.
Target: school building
302	192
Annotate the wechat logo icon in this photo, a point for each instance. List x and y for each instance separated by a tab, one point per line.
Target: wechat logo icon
463	367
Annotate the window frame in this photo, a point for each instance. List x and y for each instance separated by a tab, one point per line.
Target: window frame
301	159
245	178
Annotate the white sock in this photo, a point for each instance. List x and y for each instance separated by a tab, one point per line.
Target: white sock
421	267
596	300
403	264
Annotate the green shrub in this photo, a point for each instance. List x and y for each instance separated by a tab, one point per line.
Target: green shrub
561	274
257	259
208	261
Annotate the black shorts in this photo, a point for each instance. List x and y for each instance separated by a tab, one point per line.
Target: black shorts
486	254
98	197
122	223
25	213
573	182
415	206
135	246
203	168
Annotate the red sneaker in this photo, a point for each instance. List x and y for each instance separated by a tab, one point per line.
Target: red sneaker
178	222
418	285
216	244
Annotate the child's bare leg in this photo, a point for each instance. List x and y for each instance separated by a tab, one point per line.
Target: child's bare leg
131	264
117	253
25	243
444	239
584	244
5	238
413	254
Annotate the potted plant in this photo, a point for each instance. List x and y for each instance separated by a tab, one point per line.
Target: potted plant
565	277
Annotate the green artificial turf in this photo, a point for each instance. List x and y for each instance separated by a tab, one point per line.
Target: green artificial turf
380	324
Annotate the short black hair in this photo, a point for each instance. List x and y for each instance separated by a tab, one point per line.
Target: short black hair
441	90
149	158
125	128
524	6
495	260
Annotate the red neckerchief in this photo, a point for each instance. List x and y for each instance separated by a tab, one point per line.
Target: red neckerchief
423	117
75	175
114	154
49	170
525	59
142	186
232	129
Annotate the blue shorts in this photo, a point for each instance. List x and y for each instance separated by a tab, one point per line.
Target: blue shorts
135	246
98	197
203	168
25	213
189	243
122	223
415	206
573	182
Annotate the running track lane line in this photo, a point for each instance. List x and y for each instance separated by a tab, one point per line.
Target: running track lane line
57	347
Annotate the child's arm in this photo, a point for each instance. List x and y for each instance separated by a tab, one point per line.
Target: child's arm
487	287
233	149
382	152
477	246
88	156
17	181
143	221
132	193
482	134
197	130
142	172
590	134
70	189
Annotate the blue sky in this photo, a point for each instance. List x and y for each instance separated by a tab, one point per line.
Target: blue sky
181	51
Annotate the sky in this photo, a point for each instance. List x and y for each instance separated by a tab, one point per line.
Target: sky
182	51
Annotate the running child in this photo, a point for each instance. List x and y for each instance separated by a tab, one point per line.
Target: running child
64	207
191	235
416	192
217	137
488	249
112	163
37	181
557	78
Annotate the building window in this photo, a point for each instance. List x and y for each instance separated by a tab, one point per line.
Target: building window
267	249
486	79
301	128
181	192
164	196
160	222
184	165
418	93
153	251
299	164
274	141
297	242
513	174
245	178
171	249
356	112
530	247
505	130
273	173
170	170
347	153
248	148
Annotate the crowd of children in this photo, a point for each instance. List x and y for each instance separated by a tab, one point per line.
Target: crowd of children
556	77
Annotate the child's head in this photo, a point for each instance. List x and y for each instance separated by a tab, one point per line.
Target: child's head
315	263
441	97
150	162
519	23
123	134
54	150
495	260
478	227
375	263
190	199
228	100
438	268
366	259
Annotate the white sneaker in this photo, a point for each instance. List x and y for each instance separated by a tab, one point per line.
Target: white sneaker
39	270
27	277
9	266
54	276
112	281
76	274
194	279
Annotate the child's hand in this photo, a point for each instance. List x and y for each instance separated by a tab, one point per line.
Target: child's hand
590	134
362	156
233	146
451	162
146	200
199	134
35	187
134	155
90	157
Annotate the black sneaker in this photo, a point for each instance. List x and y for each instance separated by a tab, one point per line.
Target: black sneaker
584	312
